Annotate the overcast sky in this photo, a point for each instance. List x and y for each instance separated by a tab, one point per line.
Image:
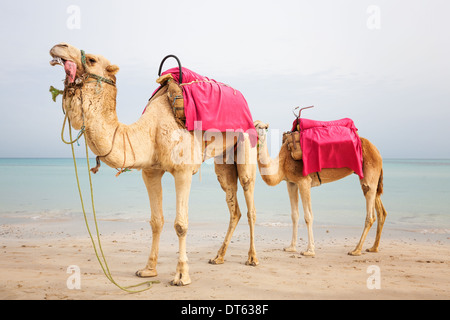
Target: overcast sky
385	64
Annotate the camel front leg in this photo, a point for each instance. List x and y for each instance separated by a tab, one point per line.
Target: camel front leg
293	197
152	180
305	194
183	181
247	177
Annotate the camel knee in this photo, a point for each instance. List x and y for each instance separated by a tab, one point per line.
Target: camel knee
365	188
308	221
157	225
309	218
370	219
246	182
251	216
295	215
369	188
181	229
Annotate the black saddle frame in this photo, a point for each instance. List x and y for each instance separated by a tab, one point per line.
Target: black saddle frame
179	67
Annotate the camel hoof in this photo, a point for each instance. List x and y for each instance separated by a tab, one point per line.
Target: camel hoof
181	280
372	250
290	249
355	253
308	253
217	260
252	262
179	283
146	273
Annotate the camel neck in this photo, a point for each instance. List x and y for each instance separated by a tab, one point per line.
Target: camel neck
117	144
100	117
269	168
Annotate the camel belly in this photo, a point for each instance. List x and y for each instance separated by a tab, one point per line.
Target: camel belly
330	175
225	146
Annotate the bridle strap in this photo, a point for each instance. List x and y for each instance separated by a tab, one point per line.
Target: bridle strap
91	75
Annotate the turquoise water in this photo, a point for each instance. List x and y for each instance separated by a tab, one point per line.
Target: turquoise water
416	195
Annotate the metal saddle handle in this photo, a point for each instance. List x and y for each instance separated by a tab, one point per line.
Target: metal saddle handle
300	112
179	67
297	116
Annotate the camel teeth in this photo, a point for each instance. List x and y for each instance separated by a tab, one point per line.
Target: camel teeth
56	61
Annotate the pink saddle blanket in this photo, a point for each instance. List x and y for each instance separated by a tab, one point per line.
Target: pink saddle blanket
330	144
212	105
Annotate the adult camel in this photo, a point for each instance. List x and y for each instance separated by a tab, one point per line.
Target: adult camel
284	167
153	144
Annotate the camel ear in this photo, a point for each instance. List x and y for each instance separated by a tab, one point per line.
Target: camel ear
113	69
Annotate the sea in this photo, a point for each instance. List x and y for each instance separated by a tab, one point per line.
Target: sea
416	195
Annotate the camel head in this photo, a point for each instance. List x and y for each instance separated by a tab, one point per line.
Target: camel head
71	58
261	129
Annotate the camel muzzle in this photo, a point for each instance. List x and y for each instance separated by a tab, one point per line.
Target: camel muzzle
70	67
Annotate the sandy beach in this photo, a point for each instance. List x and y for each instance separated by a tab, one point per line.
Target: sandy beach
36	256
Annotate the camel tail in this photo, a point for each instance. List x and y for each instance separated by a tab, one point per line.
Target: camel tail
381	211
380	184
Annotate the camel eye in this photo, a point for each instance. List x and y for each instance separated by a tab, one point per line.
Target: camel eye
92	61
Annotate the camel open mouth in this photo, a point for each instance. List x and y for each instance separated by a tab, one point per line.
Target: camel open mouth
70	67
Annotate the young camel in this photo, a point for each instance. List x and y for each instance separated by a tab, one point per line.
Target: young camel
284	167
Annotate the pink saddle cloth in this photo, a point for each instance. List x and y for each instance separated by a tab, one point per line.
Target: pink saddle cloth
330	144
212	105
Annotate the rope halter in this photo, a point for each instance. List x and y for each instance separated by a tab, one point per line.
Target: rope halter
91	75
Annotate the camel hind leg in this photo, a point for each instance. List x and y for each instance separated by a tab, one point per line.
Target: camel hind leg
370	194
227	176
381	217
381	213
372	186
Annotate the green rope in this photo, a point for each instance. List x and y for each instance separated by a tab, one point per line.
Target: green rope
71	142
